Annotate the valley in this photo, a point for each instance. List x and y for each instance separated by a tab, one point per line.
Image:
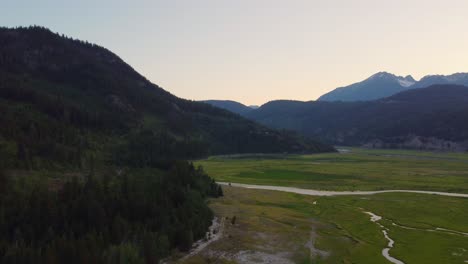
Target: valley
430	118
357	170
99	164
284	227
94	157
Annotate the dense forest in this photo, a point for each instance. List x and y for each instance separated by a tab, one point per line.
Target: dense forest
232	106
93	156
135	217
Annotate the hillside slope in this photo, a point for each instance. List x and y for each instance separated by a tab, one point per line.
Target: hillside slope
95	153
62	99
435	118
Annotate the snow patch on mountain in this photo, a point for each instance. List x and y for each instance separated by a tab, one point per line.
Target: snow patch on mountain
405	82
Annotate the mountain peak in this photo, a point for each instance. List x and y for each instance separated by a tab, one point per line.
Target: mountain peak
384	84
386	76
381	84
382	74
409	78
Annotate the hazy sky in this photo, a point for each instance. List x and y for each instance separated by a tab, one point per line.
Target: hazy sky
254	51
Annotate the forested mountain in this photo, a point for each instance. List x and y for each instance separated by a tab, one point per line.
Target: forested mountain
433	118
385	84
70	97
91	155
232	106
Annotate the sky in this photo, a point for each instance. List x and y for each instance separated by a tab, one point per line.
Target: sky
255	51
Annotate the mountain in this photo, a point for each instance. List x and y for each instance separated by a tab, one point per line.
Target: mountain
62	99
431	118
456	78
385	84
231	106
377	86
93	156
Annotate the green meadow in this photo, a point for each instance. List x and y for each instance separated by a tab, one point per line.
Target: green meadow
360	169
411	220
275	226
284	227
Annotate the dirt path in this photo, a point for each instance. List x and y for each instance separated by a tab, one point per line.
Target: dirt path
214	233
335	193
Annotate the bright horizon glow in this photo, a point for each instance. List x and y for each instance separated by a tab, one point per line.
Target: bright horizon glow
254	51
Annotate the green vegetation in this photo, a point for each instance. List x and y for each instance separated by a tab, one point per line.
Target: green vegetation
140	215
410	153
422	213
91	172
361	169
280	225
91	155
268	224
77	185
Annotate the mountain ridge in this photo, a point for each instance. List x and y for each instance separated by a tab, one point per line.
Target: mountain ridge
379	85
230	105
431	118
384	84
87	91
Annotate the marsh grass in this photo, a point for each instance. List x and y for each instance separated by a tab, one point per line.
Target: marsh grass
361	169
276	224
272	222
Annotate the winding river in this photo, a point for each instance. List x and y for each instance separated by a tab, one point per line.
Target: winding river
386	251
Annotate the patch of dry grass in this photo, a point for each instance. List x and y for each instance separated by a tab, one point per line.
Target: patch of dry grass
269	227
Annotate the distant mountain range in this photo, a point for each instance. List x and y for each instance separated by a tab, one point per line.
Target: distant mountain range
431	118
456	78
384	84
435	117
379	85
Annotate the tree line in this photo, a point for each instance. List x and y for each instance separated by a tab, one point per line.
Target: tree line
116	217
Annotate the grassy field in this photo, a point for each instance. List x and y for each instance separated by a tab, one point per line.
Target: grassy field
265	228
279	227
359	169
289	228
415	216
